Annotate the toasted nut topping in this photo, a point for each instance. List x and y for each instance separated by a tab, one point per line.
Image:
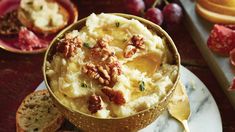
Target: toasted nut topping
91	70
101	50
106	74
68	44
114	95
115	66
136	42
102	43
130	50
107	68
94	103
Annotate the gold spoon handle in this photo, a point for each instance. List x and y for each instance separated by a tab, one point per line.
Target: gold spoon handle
185	124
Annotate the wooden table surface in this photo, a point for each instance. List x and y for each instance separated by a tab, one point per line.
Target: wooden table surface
21	74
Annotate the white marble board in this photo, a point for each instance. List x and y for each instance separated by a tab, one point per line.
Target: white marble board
205	116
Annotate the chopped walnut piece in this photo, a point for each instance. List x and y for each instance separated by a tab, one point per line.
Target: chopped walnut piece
68	44
101	49
94	103
91	70
102	43
135	43
115	66
105	54
130	50
114	95
97	72
114	71
138	41
107	66
106	74
114	74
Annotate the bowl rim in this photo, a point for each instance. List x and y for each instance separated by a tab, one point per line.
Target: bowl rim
127	16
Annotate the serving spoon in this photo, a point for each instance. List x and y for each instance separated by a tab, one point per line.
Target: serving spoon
179	107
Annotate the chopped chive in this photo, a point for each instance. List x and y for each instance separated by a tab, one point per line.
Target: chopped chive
117	24
86	45
83	85
30	3
141	86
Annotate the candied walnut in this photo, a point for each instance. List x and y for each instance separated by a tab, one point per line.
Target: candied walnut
91	70
94	103
107	68
98	73
114	68
101	49
114	71
106	74
102	43
115	65
114	74
112	59
130	50
114	95
68	44
136	42
105	54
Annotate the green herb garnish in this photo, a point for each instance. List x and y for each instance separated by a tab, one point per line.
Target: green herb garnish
117	24
29	3
83	85
86	45
41	7
124	40
141	86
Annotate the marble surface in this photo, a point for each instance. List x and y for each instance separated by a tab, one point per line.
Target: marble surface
205	116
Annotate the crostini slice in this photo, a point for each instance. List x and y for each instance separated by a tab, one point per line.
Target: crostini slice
25	18
38	113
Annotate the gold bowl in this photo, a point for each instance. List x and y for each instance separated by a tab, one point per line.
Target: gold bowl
130	123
